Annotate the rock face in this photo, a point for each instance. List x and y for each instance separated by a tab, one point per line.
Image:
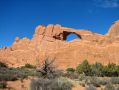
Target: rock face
114	30
50	42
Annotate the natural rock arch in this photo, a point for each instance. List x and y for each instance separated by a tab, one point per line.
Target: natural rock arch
65	34
71	37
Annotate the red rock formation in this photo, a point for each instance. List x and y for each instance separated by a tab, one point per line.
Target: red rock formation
51	42
114	29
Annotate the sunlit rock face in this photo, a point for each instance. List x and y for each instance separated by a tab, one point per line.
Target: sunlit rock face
114	30
50	42
113	33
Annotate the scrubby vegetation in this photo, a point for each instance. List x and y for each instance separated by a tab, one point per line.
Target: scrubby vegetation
2	65
12	74
51	84
97	69
3	85
96	75
48	70
70	70
90	87
48	77
84	67
50	80
28	66
97	82
109	86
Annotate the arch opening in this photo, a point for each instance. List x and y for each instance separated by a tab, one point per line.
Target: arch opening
69	36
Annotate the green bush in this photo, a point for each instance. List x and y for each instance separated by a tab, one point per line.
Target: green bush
28	66
70	70
3	65
84	67
96	69
3	85
110	70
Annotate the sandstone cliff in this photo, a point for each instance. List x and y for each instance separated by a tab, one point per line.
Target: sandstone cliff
51	42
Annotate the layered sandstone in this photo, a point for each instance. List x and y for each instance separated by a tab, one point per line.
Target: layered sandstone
50	42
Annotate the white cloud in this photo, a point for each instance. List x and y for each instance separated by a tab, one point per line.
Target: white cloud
107	3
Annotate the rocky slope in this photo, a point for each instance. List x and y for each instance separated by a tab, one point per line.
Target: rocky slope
50	42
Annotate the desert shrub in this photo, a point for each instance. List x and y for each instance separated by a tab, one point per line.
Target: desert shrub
103	82
84	67
117	70
109	86
117	88
82	83
59	73
89	80
12	74
62	84
48	70
50	84
92	80
90	87
24	73
8	77
72	75
110	70
40	84
70	70
3	85
82	77
96	69
28	66
114	80
3	65
95	81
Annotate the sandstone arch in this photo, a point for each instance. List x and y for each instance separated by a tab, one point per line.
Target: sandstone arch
50	41
65	34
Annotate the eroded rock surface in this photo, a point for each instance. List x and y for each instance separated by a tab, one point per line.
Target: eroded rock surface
50	42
